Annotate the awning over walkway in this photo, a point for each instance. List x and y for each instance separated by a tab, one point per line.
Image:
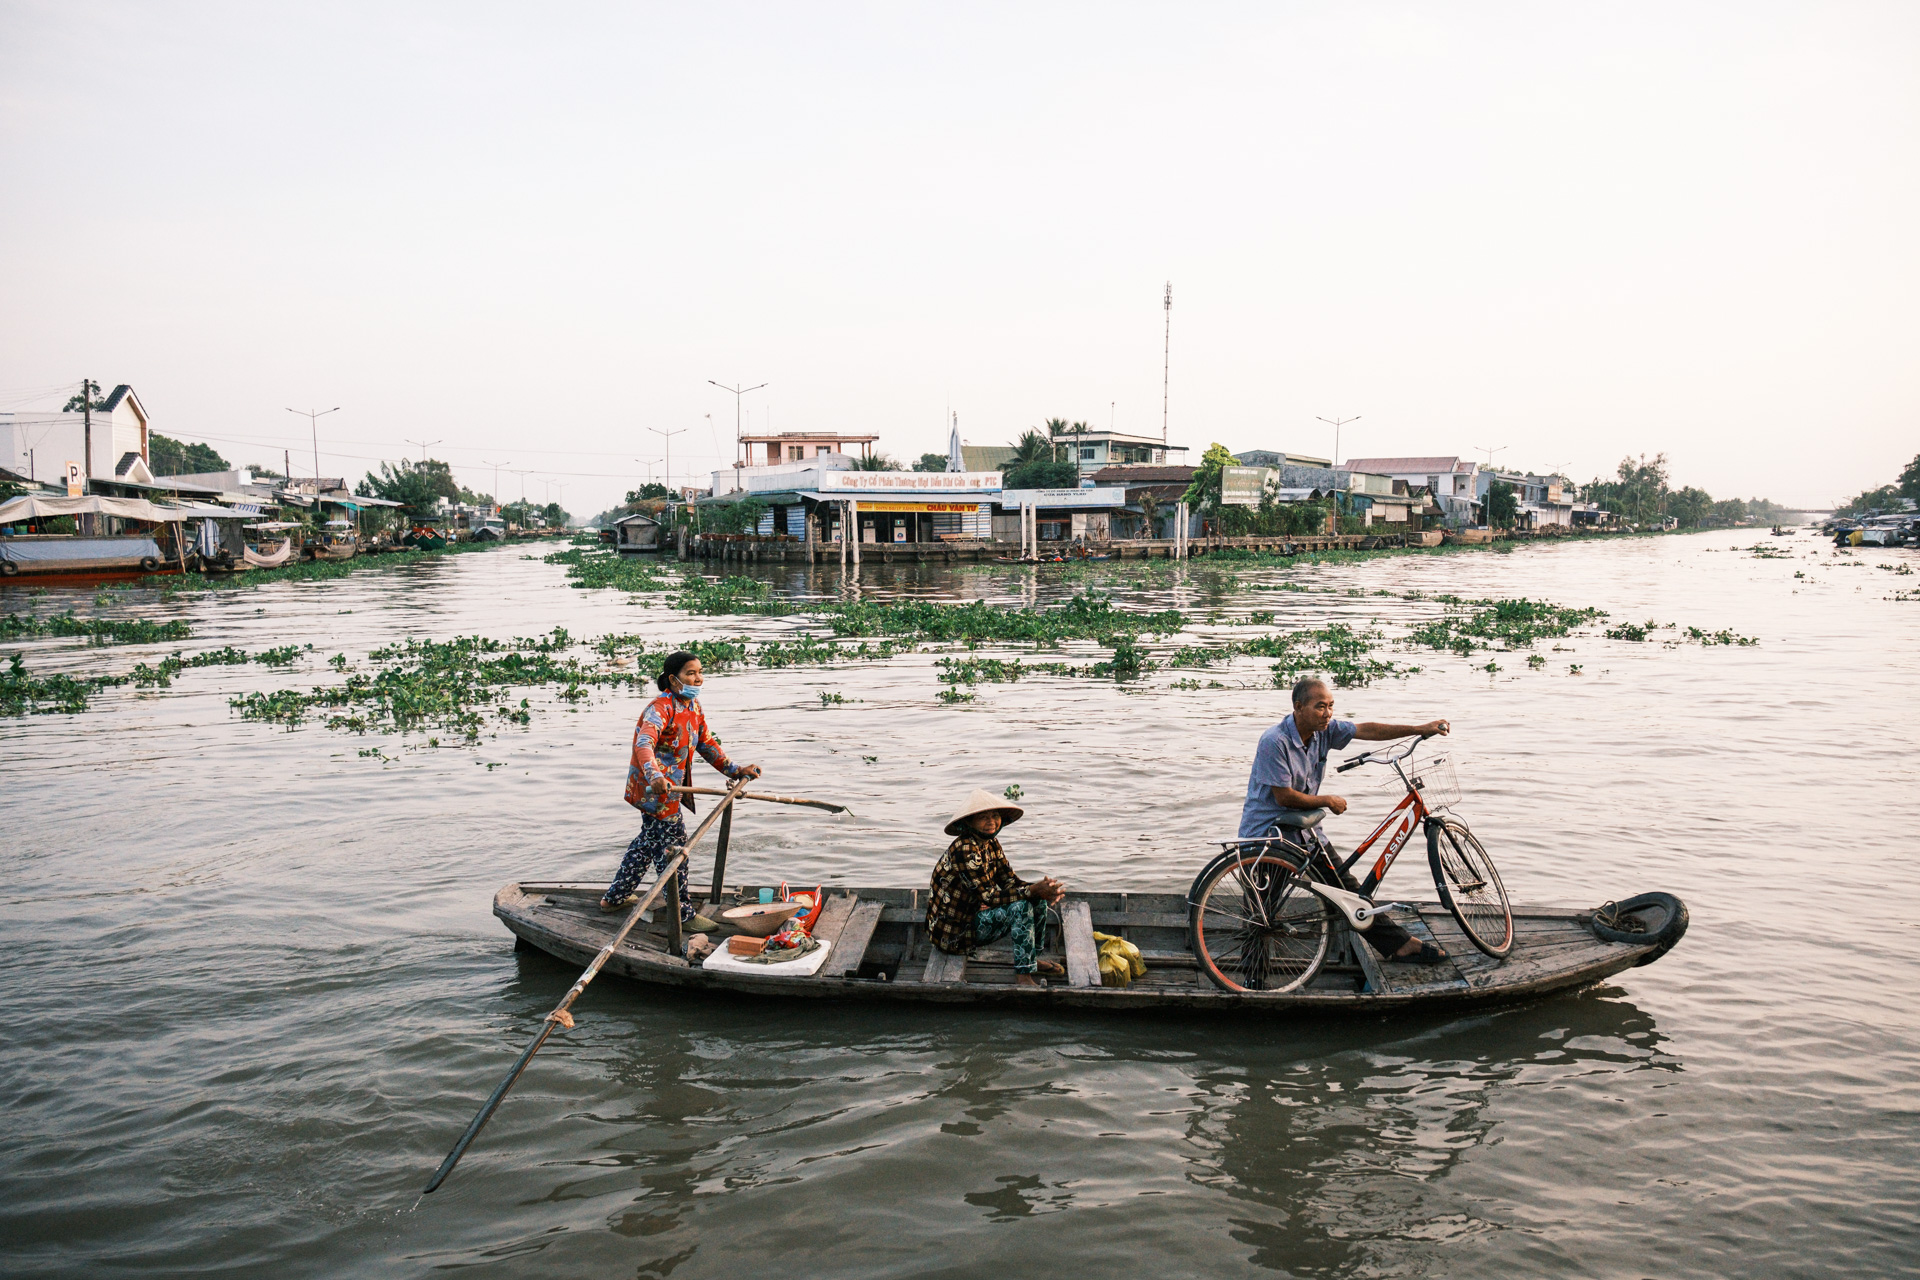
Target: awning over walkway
30	506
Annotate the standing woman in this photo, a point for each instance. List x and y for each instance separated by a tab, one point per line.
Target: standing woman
671	729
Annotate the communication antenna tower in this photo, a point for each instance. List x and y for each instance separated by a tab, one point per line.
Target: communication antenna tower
1166	367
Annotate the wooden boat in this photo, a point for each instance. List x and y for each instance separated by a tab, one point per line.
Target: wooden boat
878	950
336	542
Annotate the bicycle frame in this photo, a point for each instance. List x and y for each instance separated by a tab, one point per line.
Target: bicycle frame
1410	815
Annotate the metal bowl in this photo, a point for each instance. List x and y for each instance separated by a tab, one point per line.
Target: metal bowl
762	919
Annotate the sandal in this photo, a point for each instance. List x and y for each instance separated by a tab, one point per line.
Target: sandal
1427	954
1049	969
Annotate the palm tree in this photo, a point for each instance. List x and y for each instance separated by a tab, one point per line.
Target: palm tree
1079	429
1056	427
1029	449
875	462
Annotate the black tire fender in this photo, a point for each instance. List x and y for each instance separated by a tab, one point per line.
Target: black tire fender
149	565
1664	916
8	568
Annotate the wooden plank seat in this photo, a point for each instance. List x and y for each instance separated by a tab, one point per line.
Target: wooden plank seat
944	967
1083	957
850	947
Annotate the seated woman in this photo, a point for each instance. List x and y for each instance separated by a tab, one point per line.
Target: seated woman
976	897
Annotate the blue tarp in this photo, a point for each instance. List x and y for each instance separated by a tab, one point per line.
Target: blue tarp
57	554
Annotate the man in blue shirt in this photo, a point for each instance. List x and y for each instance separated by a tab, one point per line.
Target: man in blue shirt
1287	768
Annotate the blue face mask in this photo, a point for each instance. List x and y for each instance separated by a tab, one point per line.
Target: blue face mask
690	692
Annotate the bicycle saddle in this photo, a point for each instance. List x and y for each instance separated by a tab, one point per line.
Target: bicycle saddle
1301	817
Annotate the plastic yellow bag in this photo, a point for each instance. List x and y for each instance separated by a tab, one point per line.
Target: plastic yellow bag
1120	958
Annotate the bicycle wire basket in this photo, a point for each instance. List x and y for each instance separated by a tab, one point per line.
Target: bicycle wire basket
1436	781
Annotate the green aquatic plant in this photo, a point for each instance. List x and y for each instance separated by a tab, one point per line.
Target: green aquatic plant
1127	661
312	570
998	670
1515	624
589	568
18	626
22	693
1698	636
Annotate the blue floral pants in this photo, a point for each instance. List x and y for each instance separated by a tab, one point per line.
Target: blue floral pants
1018	921
649	849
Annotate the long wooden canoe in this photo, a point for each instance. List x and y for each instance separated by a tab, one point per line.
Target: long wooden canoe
879	951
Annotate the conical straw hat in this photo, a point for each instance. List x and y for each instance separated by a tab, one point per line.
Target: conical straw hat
982	801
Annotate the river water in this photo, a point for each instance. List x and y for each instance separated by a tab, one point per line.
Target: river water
254	989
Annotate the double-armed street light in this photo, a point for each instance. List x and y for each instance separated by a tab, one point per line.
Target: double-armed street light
736	392
313	417
1336	424
668	436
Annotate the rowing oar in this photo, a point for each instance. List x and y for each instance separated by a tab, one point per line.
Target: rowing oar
828	805
560	1016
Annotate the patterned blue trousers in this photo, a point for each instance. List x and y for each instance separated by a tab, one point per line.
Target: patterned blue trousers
649	849
1018	921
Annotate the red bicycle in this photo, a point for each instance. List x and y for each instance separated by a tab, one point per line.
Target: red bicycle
1262	913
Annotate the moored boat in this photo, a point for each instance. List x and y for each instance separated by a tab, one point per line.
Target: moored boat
337	541
877	949
98	539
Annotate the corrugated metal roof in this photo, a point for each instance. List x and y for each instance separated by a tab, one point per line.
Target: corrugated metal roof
1131	473
1402	466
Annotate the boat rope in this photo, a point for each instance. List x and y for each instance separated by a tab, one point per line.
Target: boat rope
1609	916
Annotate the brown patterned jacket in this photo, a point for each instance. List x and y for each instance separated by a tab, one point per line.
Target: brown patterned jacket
972	876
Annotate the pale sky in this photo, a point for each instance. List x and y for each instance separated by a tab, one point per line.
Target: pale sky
532	233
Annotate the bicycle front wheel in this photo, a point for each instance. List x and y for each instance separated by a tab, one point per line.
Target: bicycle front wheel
1471	888
1256	927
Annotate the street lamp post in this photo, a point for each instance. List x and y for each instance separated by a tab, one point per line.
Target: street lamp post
496	478
423	448
1337	423
668	436
737	393
313	417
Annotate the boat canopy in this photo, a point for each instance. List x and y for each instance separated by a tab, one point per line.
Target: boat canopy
275	526
30	506
339	524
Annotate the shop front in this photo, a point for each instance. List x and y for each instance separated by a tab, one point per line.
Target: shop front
902	522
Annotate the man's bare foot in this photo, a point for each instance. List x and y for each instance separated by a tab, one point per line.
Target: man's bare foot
1418	952
1026	980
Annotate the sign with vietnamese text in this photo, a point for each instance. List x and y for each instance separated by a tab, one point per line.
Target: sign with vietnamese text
1242	486
1110	496
903	482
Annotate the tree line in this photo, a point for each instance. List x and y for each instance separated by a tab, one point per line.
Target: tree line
419	486
1639	494
1888	496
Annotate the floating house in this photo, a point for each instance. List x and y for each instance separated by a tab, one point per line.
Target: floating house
637	533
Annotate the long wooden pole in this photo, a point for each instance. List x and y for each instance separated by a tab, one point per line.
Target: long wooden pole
828	805
560	1016
720	860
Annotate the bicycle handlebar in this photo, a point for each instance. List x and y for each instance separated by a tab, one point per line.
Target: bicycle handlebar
1375	757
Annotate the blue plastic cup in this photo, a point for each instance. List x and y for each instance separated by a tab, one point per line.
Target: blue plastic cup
766	896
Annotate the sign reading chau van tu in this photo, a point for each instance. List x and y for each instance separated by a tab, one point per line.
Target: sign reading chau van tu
905	482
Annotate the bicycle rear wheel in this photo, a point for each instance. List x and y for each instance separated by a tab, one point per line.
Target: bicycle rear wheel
1256	927
1471	888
